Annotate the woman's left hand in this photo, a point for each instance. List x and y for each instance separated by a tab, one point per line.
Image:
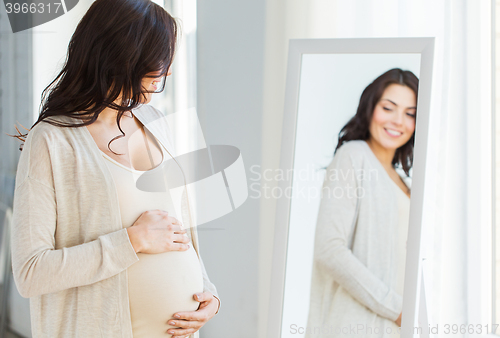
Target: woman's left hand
190	322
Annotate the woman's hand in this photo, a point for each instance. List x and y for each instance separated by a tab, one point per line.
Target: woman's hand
190	322
156	232
398	321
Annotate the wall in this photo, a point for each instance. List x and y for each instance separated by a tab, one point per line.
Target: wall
230	53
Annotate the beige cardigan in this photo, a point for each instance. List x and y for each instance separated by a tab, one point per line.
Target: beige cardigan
354	273
70	253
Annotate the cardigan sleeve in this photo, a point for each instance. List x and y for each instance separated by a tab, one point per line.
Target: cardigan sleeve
334	229
192	234
38	267
207	284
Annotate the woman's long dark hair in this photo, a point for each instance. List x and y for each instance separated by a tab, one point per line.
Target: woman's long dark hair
358	127
114	47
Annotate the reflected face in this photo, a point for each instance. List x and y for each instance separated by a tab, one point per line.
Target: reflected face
152	84
393	120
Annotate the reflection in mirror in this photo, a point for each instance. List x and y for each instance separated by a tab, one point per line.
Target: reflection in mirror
351	184
496	169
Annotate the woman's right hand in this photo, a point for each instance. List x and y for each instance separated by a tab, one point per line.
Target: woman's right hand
155	232
398	321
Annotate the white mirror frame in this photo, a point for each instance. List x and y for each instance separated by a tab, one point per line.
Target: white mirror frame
297	48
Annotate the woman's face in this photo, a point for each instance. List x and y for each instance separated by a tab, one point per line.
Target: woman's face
393	120
151	84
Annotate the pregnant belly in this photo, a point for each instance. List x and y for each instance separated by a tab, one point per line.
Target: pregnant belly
160	285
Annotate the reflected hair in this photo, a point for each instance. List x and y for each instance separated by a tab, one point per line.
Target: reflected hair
358	126
115	46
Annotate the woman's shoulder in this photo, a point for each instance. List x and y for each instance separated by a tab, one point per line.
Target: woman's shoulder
353	146
352	155
354	149
152	118
155	121
149	114
35	159
54	125
44	130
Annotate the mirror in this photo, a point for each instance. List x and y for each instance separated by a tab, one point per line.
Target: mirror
343	221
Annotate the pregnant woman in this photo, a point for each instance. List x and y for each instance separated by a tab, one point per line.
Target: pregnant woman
96	255
362	226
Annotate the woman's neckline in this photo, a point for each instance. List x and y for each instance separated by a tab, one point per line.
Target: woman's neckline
133	169
109	158
138	113
374	157
135	112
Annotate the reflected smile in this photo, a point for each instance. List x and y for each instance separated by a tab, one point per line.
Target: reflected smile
393	133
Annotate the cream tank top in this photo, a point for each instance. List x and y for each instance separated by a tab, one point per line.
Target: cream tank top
159	285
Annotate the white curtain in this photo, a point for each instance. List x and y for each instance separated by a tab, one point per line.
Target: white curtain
457	221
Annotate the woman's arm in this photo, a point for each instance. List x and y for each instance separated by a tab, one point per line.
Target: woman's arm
38	267
336	220
208	285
